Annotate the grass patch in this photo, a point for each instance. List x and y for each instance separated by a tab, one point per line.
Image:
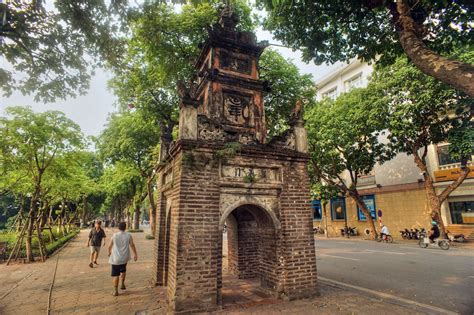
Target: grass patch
149	237
135	230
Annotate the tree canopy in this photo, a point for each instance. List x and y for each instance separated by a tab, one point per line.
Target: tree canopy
344	142
426	31
49	48
421	112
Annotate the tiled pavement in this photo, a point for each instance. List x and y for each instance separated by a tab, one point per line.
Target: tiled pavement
80	290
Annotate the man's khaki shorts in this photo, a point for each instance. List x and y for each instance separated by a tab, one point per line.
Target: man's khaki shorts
95	249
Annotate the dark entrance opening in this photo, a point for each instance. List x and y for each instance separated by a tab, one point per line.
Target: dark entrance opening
249	258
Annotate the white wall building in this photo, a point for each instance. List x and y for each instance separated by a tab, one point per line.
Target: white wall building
401	173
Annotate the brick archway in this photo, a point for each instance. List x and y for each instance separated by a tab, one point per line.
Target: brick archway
252	244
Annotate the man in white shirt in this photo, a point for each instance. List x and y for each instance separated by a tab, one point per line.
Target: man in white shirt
384	232
119	255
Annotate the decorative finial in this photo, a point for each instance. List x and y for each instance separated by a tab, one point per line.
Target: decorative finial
228	18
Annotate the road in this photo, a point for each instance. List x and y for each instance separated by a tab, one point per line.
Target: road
431	276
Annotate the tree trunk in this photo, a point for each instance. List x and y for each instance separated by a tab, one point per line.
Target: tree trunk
325	219
152	205
457	74
31	222
356	197
84	209
136	218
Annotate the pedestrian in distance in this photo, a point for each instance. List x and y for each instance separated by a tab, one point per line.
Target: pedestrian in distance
119	255
96	235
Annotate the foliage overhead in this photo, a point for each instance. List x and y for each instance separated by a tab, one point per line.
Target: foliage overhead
287	87
48	48
422	110
329	31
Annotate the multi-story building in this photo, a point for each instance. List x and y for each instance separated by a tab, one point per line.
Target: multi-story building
394	191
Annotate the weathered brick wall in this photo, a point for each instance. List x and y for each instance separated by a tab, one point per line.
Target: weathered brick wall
248	242
279	250
196	222
298	252
232	246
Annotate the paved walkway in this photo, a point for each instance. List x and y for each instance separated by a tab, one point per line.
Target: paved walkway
80	290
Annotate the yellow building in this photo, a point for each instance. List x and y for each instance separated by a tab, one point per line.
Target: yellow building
394	191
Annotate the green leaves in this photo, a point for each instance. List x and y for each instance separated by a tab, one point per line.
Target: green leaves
344	136
287	87
422	110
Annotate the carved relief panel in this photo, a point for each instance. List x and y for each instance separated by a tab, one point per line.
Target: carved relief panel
235	63
237	108
251	173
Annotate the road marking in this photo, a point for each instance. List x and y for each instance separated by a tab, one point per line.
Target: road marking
471	277
339	257
383	251
388	296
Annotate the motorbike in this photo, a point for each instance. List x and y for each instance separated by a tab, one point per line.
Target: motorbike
456	237
405	234
350	231
425	242
387	239
318	230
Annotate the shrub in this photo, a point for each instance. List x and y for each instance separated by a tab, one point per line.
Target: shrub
135	230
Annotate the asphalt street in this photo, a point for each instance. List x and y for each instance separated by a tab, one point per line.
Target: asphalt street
431	276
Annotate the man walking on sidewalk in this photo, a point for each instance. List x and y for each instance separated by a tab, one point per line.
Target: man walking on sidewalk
119	255
95	241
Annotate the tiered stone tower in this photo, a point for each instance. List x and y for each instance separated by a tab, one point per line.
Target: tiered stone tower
221	171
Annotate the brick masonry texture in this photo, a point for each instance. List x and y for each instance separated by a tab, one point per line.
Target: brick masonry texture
269	233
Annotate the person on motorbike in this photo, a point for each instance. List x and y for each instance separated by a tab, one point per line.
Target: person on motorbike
434	231
384	232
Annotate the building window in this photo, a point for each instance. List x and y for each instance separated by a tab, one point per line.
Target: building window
338	209
354	82
317	211
462	212
332	93
443	156
369	201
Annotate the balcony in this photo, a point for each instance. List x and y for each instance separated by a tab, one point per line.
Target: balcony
451	172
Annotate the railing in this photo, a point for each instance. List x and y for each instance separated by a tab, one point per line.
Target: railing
454	165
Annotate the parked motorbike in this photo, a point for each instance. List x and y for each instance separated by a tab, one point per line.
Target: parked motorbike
406	234
456	237
318	230
350	231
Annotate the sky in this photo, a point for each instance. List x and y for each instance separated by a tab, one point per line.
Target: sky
90	111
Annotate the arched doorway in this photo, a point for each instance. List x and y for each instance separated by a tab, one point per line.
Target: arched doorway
248	252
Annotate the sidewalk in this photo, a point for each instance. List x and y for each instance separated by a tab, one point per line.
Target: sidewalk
81	290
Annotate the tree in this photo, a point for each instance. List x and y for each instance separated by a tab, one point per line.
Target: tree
121	182
31	142
132	138
49	50
330	31
423	111
287	86
344	144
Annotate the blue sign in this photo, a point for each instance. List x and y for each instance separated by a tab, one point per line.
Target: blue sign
369	201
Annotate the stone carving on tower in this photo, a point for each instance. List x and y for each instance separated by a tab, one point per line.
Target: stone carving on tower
228	95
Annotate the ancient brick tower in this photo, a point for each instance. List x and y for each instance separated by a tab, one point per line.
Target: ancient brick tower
220	172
